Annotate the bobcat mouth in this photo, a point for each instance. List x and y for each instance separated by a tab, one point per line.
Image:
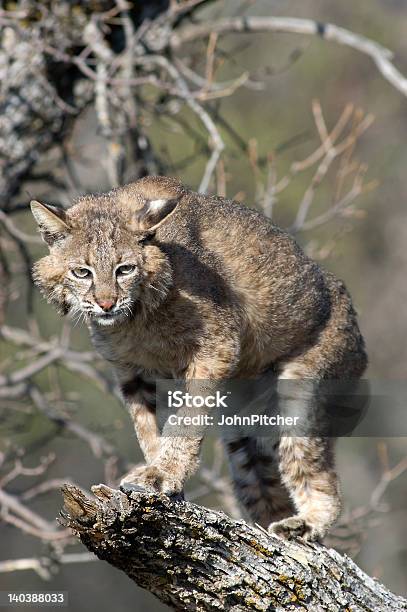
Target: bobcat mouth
108	318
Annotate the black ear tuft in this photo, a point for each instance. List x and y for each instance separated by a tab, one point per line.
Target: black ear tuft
154	212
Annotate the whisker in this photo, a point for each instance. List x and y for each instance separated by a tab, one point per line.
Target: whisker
156	289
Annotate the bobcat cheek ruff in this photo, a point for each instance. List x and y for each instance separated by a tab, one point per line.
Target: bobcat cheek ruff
208	290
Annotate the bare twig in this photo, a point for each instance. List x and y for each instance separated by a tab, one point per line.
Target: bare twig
28	521
216	141
380	55
44	566
16	232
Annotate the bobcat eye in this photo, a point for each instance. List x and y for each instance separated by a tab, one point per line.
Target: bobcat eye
81	272
125	270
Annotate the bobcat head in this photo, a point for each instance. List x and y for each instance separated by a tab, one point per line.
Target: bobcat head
103	264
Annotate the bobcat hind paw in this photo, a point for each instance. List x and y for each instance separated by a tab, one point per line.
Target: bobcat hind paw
296	527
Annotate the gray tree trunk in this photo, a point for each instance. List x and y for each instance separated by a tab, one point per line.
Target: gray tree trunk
42	89
195	559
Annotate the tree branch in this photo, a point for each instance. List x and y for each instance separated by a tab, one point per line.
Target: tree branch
195	559
380	55
44	566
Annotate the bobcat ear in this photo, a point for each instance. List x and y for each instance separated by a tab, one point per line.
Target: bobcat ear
145	237
154	212
51	221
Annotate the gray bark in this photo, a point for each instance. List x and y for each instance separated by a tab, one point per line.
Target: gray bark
193	558
42	87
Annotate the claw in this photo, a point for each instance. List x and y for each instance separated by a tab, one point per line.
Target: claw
177	496
132	487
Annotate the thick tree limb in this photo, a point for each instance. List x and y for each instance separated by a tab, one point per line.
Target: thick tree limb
195	559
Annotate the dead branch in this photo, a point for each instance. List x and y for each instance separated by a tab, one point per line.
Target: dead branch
380	55
196	559
44	566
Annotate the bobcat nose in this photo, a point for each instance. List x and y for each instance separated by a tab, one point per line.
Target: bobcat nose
106	305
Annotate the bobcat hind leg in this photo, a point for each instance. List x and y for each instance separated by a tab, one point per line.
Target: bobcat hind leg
256	479
306	463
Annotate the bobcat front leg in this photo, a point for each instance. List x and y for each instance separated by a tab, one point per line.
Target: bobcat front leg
141	403
178	455
139	396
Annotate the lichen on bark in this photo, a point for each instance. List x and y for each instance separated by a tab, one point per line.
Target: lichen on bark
195	559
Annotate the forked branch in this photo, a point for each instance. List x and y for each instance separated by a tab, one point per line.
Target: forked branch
328	31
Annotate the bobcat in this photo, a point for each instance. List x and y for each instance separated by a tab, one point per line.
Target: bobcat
174	284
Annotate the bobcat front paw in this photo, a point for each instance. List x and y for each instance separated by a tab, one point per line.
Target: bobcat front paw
154	479
296	527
